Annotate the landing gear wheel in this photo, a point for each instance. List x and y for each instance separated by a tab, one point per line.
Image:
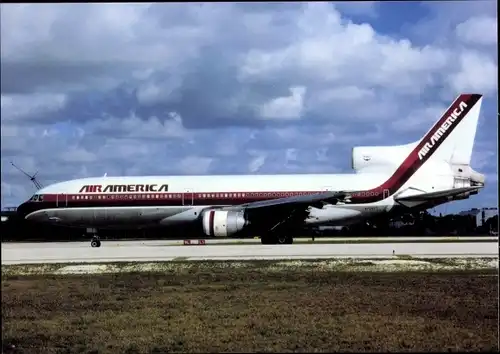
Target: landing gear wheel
284	240
95	242
289	240
276	240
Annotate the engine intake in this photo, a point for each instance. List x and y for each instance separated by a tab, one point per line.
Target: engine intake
223	223
373	157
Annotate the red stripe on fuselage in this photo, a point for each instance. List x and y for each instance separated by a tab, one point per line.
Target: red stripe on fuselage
49	201
223	197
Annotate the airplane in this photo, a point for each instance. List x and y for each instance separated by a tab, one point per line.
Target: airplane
422	174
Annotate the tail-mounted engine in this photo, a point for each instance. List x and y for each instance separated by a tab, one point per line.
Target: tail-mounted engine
223	223
468	175
373	157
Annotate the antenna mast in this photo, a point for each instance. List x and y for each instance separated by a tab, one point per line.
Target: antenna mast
37	184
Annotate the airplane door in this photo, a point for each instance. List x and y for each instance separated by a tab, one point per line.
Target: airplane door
187	197
386	193
61	200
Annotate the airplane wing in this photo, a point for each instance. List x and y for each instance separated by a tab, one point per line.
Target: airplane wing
302	200
290	210
424	197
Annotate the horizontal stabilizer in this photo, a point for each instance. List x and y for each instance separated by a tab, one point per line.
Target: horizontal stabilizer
424	197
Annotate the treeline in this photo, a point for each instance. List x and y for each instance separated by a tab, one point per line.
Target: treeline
15	229
417	224
420	225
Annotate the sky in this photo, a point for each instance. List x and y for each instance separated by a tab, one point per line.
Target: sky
235	88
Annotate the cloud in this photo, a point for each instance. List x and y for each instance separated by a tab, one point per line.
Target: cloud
229	88
416	117
475	73
76	154
168	126
439	23
358	8
19	107
478	30
288	107
256	163
195	165
483	160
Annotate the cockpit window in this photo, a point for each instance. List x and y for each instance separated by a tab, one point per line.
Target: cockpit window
37	198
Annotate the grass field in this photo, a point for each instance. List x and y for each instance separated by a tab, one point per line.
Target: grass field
198	309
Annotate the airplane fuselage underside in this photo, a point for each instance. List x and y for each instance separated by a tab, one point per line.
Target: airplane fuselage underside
161	216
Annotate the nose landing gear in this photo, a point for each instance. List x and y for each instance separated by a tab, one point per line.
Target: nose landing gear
95	241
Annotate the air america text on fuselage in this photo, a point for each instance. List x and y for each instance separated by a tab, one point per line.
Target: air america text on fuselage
124	188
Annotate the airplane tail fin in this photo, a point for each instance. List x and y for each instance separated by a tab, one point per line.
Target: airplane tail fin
449	142
454	133
447	145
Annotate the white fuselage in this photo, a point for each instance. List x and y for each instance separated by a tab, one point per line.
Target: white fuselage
187	196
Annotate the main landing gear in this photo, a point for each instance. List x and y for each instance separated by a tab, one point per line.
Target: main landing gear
281	233
276	239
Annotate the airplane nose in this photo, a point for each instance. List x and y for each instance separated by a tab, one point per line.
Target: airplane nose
22	210
37	216
28	212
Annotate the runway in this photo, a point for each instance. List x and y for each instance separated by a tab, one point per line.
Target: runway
256	241
81	252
